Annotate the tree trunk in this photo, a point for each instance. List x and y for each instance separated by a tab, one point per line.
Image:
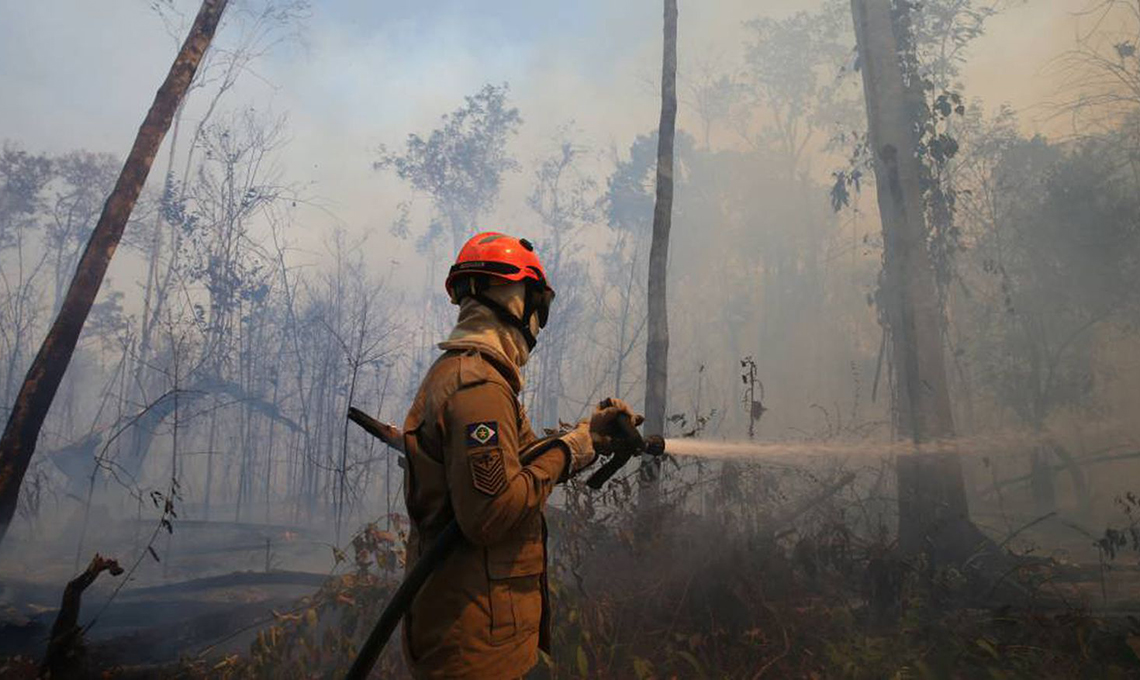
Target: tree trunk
657	345
65	655
932	498
43	378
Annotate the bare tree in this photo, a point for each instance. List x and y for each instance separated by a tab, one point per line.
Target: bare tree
257	28
792	73
1100	77
712	95
84	180
38	391
23	181
563	197
657	347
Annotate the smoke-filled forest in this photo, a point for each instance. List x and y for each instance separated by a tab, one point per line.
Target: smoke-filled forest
868	268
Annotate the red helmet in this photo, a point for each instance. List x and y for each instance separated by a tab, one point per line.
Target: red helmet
505	257
493	254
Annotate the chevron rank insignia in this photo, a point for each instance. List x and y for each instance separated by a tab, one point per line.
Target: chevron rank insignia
487	473
482	434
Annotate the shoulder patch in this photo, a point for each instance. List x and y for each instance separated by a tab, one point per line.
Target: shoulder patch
487	472
482	434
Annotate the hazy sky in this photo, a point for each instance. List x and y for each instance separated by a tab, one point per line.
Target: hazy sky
81	73
77	73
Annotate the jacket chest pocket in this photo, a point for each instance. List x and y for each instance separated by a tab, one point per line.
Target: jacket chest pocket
514	572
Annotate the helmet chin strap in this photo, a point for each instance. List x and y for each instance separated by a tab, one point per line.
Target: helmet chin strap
505	315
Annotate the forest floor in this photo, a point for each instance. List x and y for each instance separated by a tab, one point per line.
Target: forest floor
699	598
213	585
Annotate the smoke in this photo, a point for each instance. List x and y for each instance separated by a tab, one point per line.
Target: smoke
367	74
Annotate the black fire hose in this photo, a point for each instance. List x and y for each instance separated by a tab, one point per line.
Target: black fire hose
400	603
631	443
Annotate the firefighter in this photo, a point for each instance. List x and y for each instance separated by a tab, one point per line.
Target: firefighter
472	455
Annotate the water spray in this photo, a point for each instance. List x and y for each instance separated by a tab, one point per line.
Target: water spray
752	450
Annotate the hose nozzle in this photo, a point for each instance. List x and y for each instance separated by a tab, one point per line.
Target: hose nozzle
633	444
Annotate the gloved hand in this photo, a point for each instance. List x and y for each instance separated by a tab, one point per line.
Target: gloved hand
581	447
596	435
603	428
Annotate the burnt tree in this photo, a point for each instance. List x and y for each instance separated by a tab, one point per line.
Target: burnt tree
43	378
65	652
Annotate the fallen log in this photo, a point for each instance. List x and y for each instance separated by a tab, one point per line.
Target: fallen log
238	579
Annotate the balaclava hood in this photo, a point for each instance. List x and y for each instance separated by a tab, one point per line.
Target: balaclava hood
478	327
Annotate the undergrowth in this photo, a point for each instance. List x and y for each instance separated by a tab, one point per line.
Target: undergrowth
720	580
730	575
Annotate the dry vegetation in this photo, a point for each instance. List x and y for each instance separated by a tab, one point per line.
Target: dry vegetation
745	582
199	434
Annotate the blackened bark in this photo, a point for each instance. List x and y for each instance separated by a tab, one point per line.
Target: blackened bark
64	657
27	416
657	345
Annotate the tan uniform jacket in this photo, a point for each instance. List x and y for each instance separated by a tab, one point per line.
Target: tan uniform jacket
485	611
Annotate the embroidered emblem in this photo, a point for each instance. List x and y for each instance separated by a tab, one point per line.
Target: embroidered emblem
482	434
487	473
